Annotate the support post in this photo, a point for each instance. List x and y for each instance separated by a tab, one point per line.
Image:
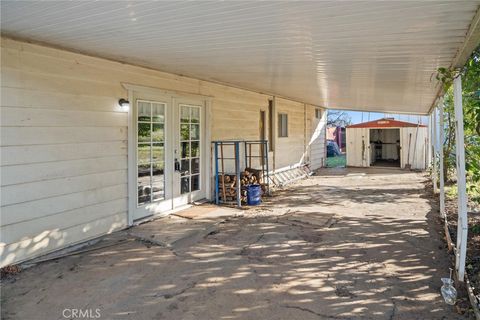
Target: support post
442	176
462	228
429	154
435	150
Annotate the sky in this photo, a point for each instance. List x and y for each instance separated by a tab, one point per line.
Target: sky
359	117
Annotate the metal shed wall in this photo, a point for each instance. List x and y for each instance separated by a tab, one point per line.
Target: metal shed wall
358	147
358	154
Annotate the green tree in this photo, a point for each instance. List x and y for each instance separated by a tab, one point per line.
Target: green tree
471	111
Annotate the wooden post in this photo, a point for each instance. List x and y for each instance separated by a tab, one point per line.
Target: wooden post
462	228
442	177
435	150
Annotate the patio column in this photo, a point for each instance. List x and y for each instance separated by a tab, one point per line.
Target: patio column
435	150
442	177
462	228
429	151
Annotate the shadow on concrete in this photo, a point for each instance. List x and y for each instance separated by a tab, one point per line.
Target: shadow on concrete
349	266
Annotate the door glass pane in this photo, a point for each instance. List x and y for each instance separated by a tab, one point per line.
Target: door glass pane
158	112
195	149
143	153
184	132
144	132
195	116
157	170
158	181
185	152
185	185
195	132
144	111
158	132
195	165
158	152
158	192
185	167
144	184
144	171
195	182
185	114
150	152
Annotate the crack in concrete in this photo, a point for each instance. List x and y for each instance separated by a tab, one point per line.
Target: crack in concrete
394	310
177	293
245	248
312	312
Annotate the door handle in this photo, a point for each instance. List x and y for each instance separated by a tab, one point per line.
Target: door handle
177	165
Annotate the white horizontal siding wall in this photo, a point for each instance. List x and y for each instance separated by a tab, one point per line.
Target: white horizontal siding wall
317	139
64	152
290	151
64	142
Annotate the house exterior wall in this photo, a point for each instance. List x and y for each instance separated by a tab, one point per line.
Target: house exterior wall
64	142
317	141
290	151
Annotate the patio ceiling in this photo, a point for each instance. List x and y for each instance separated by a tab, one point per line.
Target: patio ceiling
359	55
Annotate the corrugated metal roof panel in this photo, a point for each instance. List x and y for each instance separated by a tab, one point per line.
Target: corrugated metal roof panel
363	55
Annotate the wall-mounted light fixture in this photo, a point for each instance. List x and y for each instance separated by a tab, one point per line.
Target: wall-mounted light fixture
123	103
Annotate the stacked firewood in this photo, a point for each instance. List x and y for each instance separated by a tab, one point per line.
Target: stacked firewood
228	187
256	177
228	184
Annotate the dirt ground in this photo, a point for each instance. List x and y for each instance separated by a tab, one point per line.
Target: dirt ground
345	244
473	243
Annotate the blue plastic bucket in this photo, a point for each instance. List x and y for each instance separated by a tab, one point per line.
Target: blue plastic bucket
254	195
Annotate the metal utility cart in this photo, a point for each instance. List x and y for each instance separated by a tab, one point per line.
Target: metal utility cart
226	190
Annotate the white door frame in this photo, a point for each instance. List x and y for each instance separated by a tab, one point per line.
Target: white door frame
137	90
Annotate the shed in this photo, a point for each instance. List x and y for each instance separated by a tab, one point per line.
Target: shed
387	142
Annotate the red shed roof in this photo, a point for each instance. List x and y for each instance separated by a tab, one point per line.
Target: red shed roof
385	123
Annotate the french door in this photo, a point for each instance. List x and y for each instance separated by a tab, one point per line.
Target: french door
169	154
189	181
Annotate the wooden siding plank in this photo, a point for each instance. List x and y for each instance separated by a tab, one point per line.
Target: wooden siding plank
21	136
33	117
28	211
53	170
30	98
26	229
17	155
31	191
12	78
53	239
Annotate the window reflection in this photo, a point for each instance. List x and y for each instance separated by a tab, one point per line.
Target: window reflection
150	151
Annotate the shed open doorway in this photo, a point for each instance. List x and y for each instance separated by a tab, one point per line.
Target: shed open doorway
385	147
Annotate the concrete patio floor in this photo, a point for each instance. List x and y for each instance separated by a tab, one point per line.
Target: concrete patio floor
345	244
